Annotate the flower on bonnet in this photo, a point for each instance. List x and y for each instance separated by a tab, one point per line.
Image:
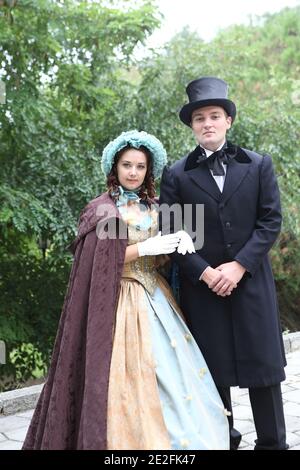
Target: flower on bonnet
135	139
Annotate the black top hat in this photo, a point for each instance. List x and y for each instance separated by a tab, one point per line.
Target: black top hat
206	91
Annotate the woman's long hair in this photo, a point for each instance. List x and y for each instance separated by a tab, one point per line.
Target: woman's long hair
147	191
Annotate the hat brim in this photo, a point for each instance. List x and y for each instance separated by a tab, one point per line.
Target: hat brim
185	113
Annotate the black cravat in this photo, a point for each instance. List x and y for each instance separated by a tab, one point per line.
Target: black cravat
215	160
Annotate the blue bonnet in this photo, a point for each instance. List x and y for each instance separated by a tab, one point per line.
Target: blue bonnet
135	139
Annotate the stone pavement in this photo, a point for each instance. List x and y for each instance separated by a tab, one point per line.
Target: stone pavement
13	427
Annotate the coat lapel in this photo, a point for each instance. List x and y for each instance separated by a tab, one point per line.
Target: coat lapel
203	178
201	175
236	172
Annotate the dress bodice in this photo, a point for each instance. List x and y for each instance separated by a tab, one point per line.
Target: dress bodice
143	269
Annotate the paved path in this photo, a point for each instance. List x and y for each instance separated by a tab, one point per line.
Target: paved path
13	428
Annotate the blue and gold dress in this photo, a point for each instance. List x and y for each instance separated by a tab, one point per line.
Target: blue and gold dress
161	393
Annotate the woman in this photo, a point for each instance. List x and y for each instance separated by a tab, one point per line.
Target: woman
126	372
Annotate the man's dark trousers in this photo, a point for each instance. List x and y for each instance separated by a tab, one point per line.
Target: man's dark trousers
267	409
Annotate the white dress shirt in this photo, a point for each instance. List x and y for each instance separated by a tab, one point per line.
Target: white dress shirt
220	180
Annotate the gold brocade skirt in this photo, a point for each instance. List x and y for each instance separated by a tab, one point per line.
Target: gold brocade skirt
134	417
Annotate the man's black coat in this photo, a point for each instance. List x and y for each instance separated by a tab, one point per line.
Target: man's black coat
239	335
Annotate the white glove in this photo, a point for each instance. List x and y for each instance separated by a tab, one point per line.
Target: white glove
186	243
159	245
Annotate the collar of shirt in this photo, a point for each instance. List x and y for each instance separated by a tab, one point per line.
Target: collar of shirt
218	179
209	152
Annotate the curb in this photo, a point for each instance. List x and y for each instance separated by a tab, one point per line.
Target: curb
23	399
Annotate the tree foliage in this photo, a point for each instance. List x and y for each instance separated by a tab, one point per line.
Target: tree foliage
60	62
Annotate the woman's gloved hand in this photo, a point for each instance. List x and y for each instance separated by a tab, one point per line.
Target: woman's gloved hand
186	244
159	245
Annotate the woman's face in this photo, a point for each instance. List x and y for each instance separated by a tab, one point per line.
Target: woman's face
132	168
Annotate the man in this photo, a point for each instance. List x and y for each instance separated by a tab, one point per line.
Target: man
227	290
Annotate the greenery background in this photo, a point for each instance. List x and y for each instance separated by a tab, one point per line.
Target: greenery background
72	83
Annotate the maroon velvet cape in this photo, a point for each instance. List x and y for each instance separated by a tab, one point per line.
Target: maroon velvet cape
72	409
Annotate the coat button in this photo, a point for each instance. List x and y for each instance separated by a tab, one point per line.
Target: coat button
228	245
227	224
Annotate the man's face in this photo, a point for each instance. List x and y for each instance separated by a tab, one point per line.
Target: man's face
210	125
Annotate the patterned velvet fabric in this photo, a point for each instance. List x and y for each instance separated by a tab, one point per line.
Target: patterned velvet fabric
72	409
